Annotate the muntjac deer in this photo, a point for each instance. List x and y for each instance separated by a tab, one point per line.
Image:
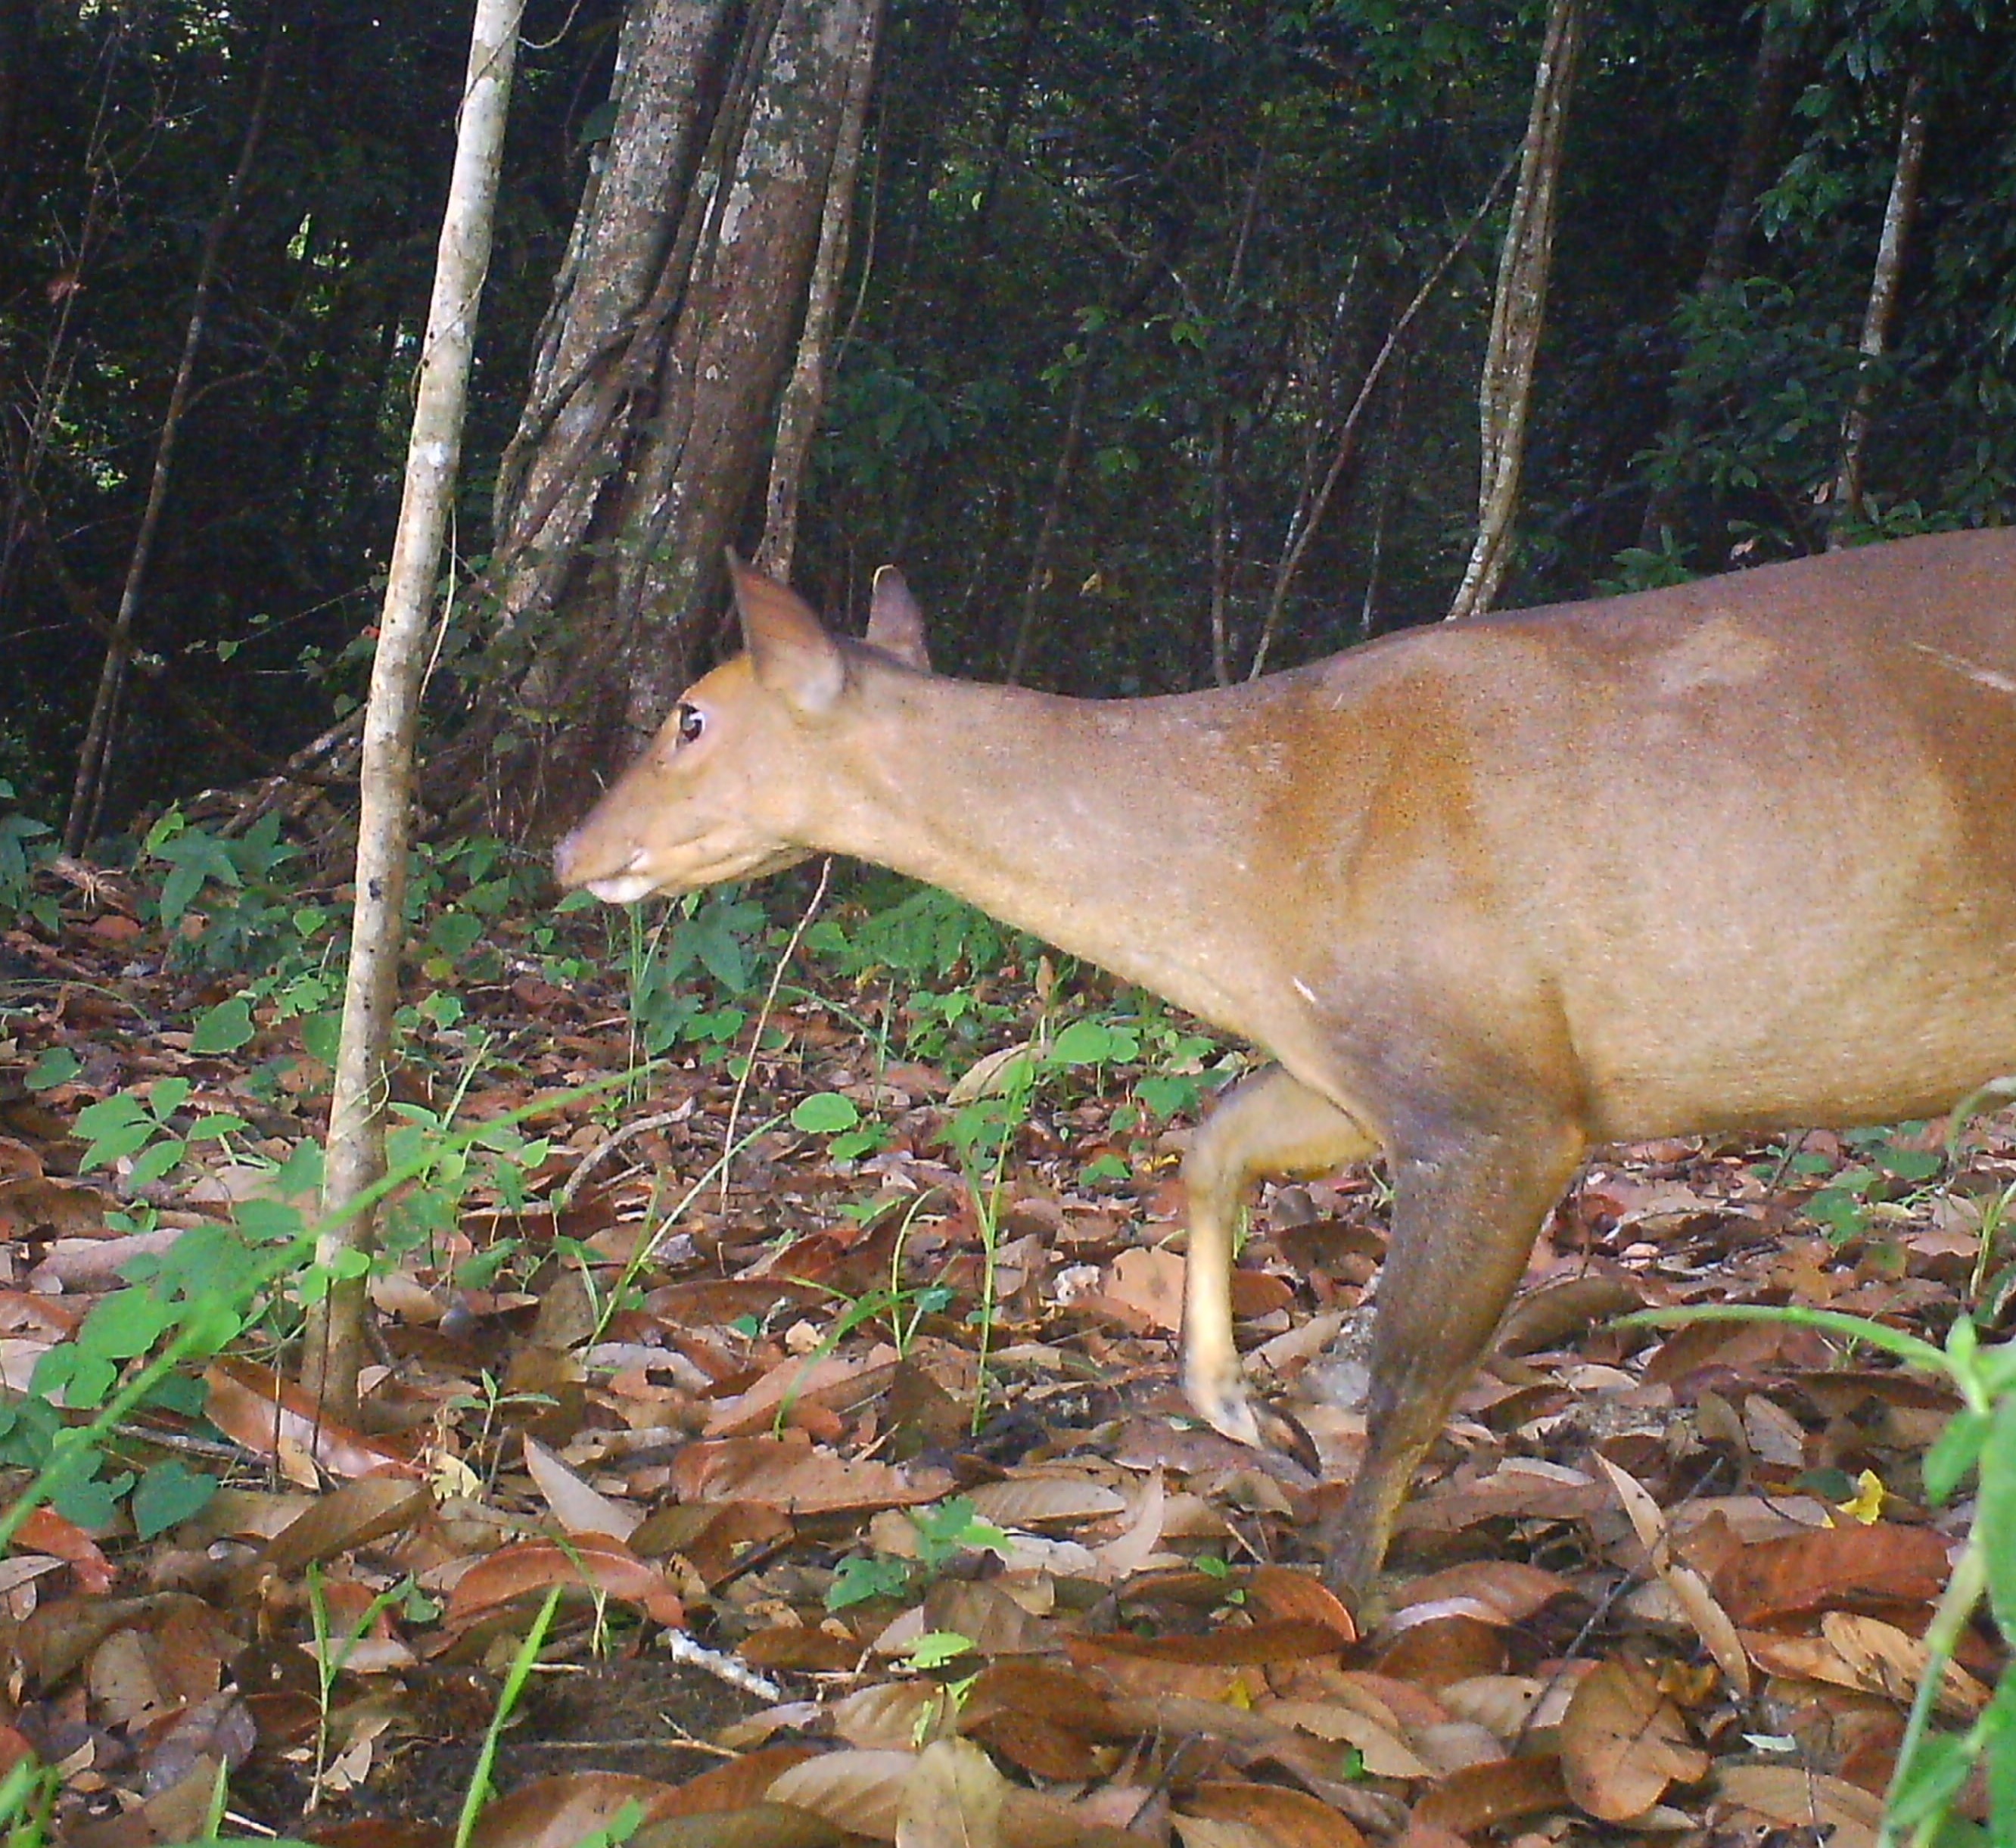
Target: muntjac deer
1740	855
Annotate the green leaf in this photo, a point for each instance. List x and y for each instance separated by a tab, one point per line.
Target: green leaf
456	933
1999	1726
28	1426
1912	1164
93	1505
952	1528
1090	1042
321	1034
167	829
1930	1780
861	1578
223	1029
82	1380
117	1144
169	1095
110	1113
443	1009
1955	1451
721	953
1167	1095
935	1648
156	1162
825	1113
58	1066
124	1325
168	1494
182	884
1995	1515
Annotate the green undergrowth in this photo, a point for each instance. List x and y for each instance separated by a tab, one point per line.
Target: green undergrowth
253	949
255	952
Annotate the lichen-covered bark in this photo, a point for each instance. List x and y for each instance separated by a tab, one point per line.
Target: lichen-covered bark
657	377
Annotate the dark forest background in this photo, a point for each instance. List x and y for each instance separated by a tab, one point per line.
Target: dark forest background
1117	271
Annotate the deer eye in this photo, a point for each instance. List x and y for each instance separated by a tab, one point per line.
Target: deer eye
693	721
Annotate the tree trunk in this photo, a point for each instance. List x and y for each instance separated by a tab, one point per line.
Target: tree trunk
654	385
1014	97
1519	312
16	34
334	1349
94	762
1763	117
23	451
1061	476
798	414
1898	213
1315	500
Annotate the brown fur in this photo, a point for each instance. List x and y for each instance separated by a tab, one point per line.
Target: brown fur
1737	855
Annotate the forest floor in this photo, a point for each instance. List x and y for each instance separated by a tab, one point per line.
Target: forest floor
842	1487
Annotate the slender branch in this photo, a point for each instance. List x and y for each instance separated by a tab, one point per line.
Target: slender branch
1346	440
1519	311
334	1353
94	760
1899	212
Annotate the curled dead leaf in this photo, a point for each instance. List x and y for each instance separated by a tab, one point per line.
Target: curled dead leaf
515	1572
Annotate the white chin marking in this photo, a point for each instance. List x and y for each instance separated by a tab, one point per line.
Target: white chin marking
626	888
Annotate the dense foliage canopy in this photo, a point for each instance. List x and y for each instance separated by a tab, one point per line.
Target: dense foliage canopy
1119	272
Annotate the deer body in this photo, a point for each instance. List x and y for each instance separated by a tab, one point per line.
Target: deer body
1737	855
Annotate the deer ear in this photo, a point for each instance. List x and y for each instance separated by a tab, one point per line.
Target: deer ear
792	655
895	623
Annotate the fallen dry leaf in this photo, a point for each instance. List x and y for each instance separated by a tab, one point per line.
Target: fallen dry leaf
1488	1795
1785	1796
1283	1818
273	1417
603	1565
952	1798
560	1812
789	1473
1689	1591
1870	1655
1832	1568
1622	1742
44	1530
580	1509
738	1785
859	1791
347	1519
